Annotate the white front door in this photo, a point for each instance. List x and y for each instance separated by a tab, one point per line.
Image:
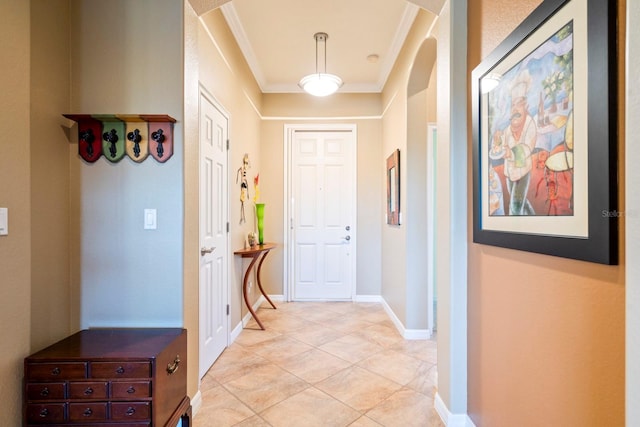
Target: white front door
322	213
214	329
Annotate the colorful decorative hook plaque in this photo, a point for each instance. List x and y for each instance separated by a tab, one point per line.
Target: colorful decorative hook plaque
117	135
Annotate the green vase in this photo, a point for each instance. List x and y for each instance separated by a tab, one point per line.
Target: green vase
260	217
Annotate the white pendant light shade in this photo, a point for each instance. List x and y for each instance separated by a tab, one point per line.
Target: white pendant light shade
321	83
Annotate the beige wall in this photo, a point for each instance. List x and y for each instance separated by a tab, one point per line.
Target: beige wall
50	271
34	182
299	107
545	334
15	187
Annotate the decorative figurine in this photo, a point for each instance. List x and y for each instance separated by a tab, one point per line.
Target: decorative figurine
244	186
252	239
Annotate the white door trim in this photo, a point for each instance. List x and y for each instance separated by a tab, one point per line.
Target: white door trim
288	264
203	92
431	185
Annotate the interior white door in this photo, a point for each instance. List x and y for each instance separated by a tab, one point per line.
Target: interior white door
214	331
323	220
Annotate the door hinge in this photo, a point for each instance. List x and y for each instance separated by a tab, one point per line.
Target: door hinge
228	227
227	309
227	144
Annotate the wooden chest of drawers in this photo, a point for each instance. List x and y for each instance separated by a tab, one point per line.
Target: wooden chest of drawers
109	377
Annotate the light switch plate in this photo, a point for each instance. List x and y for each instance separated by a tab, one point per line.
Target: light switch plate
150	219
4	221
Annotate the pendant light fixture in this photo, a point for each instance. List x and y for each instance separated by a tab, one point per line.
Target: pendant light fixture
320	83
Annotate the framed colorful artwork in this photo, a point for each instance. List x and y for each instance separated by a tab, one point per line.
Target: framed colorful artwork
393	188
544	135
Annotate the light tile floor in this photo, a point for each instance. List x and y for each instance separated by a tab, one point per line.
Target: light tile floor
328	364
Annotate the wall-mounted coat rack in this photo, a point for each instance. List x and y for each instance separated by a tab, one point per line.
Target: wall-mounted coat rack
114	135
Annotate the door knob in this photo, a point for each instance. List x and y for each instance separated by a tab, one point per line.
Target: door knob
204	250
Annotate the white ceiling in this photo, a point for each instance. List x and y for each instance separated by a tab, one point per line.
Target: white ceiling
276	37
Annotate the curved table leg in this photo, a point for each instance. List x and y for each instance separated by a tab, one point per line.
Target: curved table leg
260	283
245	290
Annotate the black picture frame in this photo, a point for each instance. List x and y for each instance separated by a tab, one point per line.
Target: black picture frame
590	200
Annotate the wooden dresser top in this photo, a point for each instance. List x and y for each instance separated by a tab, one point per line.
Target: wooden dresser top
107	343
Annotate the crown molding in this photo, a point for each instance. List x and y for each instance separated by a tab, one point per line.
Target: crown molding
409	15
233	20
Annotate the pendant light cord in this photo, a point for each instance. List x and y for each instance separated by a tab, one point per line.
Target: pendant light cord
317	72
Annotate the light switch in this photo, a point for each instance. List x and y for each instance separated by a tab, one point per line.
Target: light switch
4	221
150	219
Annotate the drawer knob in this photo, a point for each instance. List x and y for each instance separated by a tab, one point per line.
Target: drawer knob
172	367
44	413
131	390
55	371
120	370
44	391
130	411
88	391
87	412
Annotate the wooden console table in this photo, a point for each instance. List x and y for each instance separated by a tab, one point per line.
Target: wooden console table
257	252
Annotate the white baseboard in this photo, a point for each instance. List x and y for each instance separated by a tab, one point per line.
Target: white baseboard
196	403
245	319
367	298
417	334
408	334
449	419
235	332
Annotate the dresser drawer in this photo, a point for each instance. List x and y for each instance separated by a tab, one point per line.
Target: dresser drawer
120	370
130	411
88	412
56	371
45	413
45	391
130	389
88	390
